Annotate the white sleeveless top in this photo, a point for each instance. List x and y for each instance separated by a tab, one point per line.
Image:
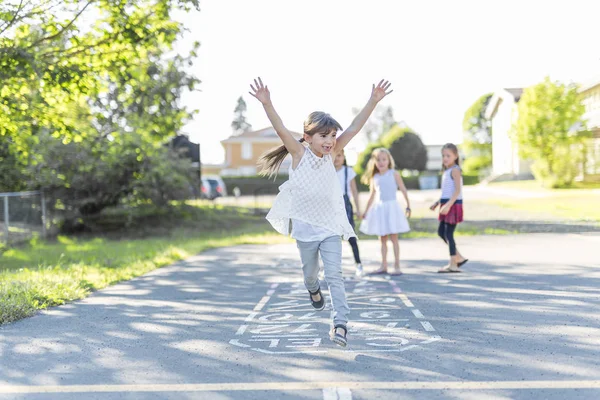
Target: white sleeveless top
312	195
448	184
385	185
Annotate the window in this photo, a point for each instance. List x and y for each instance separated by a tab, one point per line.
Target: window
246	151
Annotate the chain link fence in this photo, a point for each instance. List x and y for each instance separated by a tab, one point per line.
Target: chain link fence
22	216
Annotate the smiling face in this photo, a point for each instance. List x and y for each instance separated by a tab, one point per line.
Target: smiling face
448	158
321	143
382	162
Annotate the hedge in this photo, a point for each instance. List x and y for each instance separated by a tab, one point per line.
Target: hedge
251	185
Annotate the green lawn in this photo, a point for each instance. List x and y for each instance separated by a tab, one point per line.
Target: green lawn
134	242
427	228
570	207
533	185
579	203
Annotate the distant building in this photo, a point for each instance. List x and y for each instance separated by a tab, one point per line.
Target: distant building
590	93
243	151
502	111
434	157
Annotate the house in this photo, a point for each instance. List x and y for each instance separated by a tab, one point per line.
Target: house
243	151
502	111
434	157
590	94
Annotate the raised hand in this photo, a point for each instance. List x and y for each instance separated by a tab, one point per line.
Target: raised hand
380	91
260	91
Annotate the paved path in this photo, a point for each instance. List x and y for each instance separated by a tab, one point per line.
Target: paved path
522	322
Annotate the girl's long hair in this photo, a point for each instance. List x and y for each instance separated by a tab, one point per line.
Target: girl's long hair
372	169
317	122
452	147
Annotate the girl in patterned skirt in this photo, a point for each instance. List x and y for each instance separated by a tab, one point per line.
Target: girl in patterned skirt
451	206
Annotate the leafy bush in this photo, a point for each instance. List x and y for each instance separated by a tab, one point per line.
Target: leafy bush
84	178
406	147
562	171
476	164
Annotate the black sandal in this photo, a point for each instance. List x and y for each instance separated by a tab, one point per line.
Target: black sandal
317	305
336	338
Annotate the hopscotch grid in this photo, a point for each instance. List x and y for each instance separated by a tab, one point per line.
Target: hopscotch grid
327	321
261	303
251	316
370	330
286	336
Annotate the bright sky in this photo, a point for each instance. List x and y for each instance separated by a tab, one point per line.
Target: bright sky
440	56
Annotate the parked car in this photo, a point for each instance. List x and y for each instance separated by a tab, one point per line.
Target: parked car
205	190
213	187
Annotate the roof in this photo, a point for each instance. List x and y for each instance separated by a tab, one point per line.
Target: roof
262	135
516	93
494	103
590	84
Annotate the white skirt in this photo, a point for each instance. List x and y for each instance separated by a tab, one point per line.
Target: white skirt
385	218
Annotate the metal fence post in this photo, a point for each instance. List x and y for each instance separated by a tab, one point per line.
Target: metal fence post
43	214
6	222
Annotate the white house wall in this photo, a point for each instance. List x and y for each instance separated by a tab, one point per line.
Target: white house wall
502	149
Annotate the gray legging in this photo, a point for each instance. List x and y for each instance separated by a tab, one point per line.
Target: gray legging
331	254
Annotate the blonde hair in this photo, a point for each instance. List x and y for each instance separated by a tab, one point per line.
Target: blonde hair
317	122
371	169
452	147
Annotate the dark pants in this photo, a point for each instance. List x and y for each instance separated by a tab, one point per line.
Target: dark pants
446	232
353	242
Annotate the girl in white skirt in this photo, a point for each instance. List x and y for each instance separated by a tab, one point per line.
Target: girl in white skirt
384	216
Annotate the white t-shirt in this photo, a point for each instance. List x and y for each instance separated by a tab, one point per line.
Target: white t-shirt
342	175
309	233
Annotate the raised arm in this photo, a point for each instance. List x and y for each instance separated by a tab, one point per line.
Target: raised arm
261	92
377	93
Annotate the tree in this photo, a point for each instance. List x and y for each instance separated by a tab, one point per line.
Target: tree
86	110
477	136
549	130
52	68
406	147
377	125
363	158
239	123
385	116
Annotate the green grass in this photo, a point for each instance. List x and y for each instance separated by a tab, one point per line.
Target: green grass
427	228
579	203
569	207
533	185
45	274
